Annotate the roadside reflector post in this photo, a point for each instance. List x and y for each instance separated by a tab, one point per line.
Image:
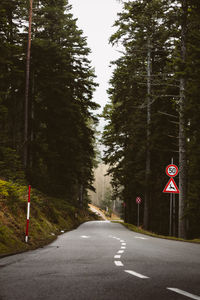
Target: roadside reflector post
28	212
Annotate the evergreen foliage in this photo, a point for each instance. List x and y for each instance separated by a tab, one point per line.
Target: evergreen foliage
193	113
61	123
153	27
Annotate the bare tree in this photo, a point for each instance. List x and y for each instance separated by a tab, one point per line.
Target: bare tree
148	133
26	105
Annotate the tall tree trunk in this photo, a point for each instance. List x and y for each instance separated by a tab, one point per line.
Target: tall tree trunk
26	106
182	135
31	154
148	154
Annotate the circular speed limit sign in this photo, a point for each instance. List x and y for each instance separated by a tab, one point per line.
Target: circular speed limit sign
171	170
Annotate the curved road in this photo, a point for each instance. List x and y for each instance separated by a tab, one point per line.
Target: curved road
103	260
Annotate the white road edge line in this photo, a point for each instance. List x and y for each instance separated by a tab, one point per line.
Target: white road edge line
118	263
142	238
136	274
184	293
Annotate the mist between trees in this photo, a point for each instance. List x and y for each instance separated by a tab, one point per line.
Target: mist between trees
103	195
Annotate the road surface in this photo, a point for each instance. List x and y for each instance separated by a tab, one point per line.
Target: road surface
103	260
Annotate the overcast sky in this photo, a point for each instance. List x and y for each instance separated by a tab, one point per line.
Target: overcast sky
95	18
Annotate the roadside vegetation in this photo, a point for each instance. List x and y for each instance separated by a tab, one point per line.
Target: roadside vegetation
47	138
49	217
152	117
149	233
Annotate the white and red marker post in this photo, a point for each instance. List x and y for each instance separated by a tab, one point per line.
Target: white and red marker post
28	212
138	201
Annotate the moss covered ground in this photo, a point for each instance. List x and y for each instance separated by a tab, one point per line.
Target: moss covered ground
48	218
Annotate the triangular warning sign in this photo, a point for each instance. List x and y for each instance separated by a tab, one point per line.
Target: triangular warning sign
171	187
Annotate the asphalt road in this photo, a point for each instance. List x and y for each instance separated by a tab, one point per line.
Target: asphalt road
103	260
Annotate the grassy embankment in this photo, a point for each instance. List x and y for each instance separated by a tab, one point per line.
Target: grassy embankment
142	231
48	217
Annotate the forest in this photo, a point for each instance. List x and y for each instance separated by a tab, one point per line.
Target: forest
153	113
48	128
46	135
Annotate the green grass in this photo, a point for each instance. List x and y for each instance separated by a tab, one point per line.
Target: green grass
145	232
48	216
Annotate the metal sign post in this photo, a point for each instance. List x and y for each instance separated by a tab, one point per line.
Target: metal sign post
170	216
172	189
174	215
138	201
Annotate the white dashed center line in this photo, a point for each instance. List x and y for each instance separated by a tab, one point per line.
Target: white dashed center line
120	251
85	237
136	274
184	293
118	263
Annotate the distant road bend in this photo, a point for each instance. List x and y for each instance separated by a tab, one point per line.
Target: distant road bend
104	261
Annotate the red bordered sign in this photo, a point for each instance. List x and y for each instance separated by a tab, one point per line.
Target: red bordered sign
138	200
171	170
171	187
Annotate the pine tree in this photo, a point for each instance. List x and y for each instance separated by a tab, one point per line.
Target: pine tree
11	88
147	47
62	148
192	114
156	72
60	137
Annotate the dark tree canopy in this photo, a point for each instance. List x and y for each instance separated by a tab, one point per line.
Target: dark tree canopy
150	32
60	122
